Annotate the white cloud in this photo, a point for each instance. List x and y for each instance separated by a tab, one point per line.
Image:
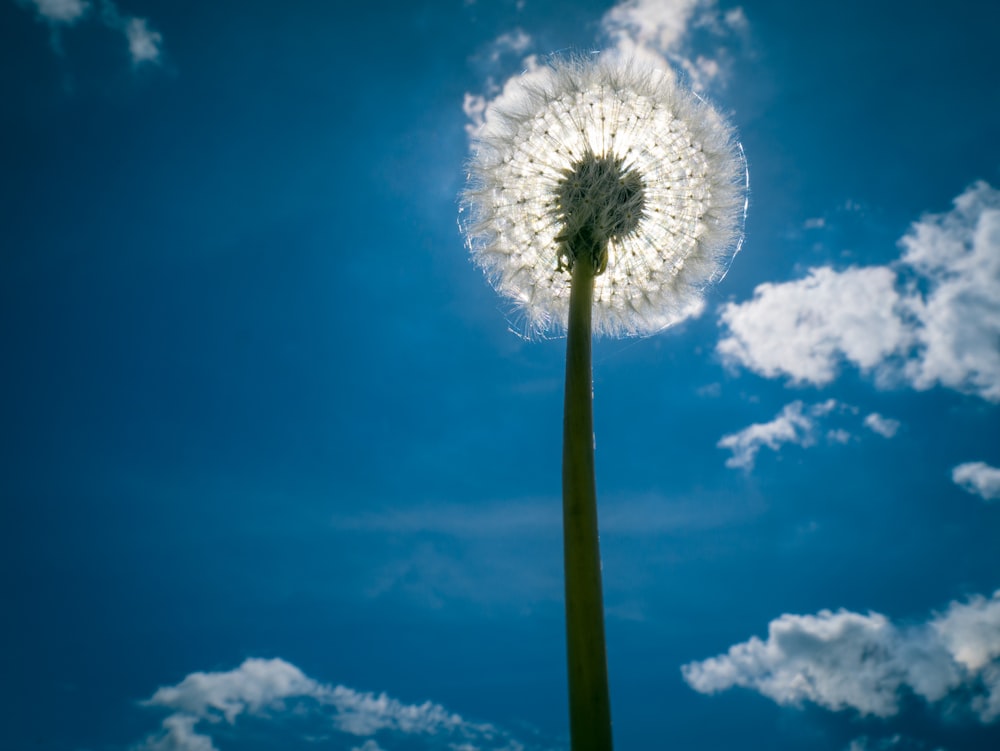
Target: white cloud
838	435
736	19
884	426
971	631
366	713
931	318
895	742
178	735
514	42
800	425
144	44
864	662
824	658
474	107
267	688
978	478
693	35
254	686
790	426
664	32
61	11
795	424
656	25
803	329
959	332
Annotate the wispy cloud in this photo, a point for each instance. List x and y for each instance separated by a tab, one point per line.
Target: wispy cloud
790	426
494	57
61	11
178	734
847	660
979	479
693	35
884	426
932	318
656	25
503	553
145	45
796	424
275	689
896	742
515	42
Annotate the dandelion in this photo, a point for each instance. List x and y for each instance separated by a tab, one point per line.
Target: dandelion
601	199
620	152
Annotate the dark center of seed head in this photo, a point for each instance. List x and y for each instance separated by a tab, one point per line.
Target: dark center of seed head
598	200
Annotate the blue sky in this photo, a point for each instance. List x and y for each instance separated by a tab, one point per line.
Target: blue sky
275	473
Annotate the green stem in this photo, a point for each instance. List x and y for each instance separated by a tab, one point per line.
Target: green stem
589	703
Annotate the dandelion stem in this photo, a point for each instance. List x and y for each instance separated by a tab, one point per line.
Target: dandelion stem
589	703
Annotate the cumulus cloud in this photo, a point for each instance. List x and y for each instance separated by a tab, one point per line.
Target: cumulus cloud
252	687
803	329
846	660
884	426
268	688
795	424
979	479
932	318
958	253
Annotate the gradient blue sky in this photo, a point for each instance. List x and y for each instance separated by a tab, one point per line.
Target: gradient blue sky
274	473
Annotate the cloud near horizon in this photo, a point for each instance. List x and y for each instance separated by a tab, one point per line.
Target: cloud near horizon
932	318
845	660
276	689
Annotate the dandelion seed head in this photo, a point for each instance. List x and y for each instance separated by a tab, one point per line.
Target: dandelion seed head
614	158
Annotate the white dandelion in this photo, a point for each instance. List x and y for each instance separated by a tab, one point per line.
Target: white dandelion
601	198
619	151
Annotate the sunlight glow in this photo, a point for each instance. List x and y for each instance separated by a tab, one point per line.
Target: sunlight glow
693	189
